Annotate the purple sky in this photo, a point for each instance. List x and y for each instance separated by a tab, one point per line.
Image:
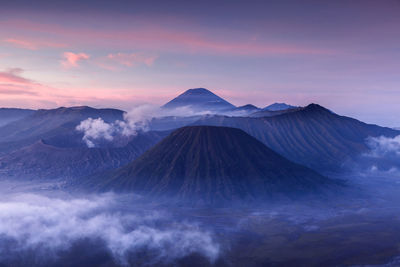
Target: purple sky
344	55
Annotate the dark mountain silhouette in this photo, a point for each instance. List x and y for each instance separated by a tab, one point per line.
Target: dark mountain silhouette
42	160
8	115
278	107
244	110
199	99
211	164
51	123
248	107
312	136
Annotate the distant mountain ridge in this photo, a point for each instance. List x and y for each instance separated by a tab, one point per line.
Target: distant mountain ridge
203	100
210	164
50	123
199	99
269	113
312	136
244	110
8	115
107	114
248	107
278	107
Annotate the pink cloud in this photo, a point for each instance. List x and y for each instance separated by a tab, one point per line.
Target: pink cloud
19	91
12	83
12	76
9	89
4	55
70	60
32	44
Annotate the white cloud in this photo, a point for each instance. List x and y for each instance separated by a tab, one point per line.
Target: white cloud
383	145
49	225
134	121
95	129
383	156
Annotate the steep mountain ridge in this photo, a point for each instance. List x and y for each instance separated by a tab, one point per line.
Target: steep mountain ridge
312	136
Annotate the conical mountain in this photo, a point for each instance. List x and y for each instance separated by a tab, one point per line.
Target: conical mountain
199	99
211	164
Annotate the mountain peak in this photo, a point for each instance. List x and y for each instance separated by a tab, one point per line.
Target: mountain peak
278	107
316	108
199	99
248	106
198	91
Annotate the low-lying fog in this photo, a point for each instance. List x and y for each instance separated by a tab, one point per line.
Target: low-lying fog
43	225
43	228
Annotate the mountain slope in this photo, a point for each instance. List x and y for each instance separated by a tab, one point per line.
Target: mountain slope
45	161
8	115
45	124
269	113
199	99
211	164
312	136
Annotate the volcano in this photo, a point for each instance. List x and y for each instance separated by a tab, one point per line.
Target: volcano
210	164
200	100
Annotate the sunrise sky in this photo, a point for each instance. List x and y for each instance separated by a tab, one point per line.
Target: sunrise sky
344	55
